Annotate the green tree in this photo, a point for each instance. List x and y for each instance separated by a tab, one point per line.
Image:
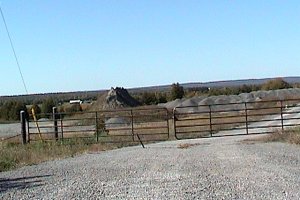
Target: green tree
10	110
161	98
47	105
177	91
148	98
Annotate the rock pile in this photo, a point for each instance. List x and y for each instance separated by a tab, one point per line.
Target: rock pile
119	98
203	102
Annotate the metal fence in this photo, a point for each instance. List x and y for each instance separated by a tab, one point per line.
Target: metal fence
235	118
110	126
158	124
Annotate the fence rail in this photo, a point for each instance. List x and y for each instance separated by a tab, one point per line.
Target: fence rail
235	118
127	125
157	124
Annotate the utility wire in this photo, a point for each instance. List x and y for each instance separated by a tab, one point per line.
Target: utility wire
13	49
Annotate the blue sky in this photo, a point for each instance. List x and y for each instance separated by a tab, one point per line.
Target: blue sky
74	45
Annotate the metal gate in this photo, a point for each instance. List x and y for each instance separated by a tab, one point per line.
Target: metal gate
235	118
110	126
152	124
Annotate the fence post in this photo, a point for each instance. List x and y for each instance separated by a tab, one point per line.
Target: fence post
210	121
246	115
28	132
174	123
23	126
132	131
61	127
54	115
97	126
281	115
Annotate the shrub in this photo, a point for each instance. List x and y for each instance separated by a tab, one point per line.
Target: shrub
177	91
276	84
10	110
73	108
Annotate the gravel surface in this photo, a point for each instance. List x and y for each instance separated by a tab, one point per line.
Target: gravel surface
9	130
215	168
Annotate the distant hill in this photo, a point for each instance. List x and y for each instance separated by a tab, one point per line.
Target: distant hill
227	83
86	95
59	96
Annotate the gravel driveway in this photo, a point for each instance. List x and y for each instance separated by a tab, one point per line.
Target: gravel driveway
214	168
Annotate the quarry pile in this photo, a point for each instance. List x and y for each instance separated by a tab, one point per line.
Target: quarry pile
115	98
256	96
119	98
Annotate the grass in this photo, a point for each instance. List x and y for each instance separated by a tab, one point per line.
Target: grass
187	145
14	155
291	136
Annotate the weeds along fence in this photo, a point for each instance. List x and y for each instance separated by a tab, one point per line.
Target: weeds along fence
235	118
158	124
110	126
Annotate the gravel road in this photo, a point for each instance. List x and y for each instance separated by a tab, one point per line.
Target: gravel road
211	168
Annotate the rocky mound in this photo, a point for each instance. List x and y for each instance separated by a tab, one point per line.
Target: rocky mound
119	98
115	98
192	103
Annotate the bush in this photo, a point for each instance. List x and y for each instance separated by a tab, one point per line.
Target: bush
73	108
10	110
177	91
148	98
47	105
276	84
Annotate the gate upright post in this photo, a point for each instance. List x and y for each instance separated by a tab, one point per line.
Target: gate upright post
132	130
28	132
23	126
246	115
281	115
97	126
174	123
54	113
210	121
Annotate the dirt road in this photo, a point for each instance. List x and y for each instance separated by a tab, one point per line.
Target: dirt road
210	168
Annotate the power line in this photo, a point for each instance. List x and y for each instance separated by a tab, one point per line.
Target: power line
13	49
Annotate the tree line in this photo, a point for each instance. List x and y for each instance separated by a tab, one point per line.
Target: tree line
10	109
178	92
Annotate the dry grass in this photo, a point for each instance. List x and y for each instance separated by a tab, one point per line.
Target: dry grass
291	136
187	145
14	155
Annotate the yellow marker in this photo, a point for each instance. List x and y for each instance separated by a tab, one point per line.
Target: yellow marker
36	123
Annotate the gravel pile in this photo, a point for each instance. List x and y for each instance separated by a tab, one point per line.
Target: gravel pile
216	168
229	99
